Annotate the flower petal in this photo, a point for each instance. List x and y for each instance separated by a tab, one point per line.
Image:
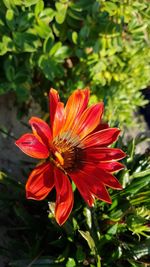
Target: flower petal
92	183
108	179
98	175
89	120
102	138
40	182
53	101
59	119
31	146
111	166
100	127
95	154
41	130
82	187
76	104
64	197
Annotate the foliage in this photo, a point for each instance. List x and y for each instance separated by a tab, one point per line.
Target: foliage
114	235
67	44
72	44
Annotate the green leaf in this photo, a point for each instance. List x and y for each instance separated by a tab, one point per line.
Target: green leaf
50	67
71	262
75	37
80	255
42	29
47	15
55	47
113	230
26	41
86	235
61	12
138	184
10	73
39	7
30	2
48	43
10	20
62	53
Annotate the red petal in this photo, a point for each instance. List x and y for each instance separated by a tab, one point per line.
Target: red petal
41	130
76	104
100	127
89	120
40	182
53	101
108	179
31	146
92	183
82	187
102	138
64	197
100	176
101	193
59	119
111	166
95	154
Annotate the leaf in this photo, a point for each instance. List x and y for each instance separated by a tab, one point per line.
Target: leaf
47	15
30	2
74	37
86	235
26	41
39	7
10	20
55	47
70	262
42	29
61	12
113	230
138	184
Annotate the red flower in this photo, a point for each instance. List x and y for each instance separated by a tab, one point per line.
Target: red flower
74	147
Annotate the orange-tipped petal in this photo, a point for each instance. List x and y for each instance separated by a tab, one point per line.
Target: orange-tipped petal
89	120
53	101
75	106
64	197
59	119
31	146
40	182
41	130
102	138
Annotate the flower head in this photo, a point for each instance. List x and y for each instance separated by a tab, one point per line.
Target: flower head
74	147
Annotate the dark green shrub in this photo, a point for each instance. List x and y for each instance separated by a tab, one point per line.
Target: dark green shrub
69	44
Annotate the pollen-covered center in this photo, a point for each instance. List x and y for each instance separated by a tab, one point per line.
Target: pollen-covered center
68	150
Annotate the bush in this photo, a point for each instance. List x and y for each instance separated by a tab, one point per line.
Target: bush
72	44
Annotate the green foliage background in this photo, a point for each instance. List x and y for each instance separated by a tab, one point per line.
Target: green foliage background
73	44
69	44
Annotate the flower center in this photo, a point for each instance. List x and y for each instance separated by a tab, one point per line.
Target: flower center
68	150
